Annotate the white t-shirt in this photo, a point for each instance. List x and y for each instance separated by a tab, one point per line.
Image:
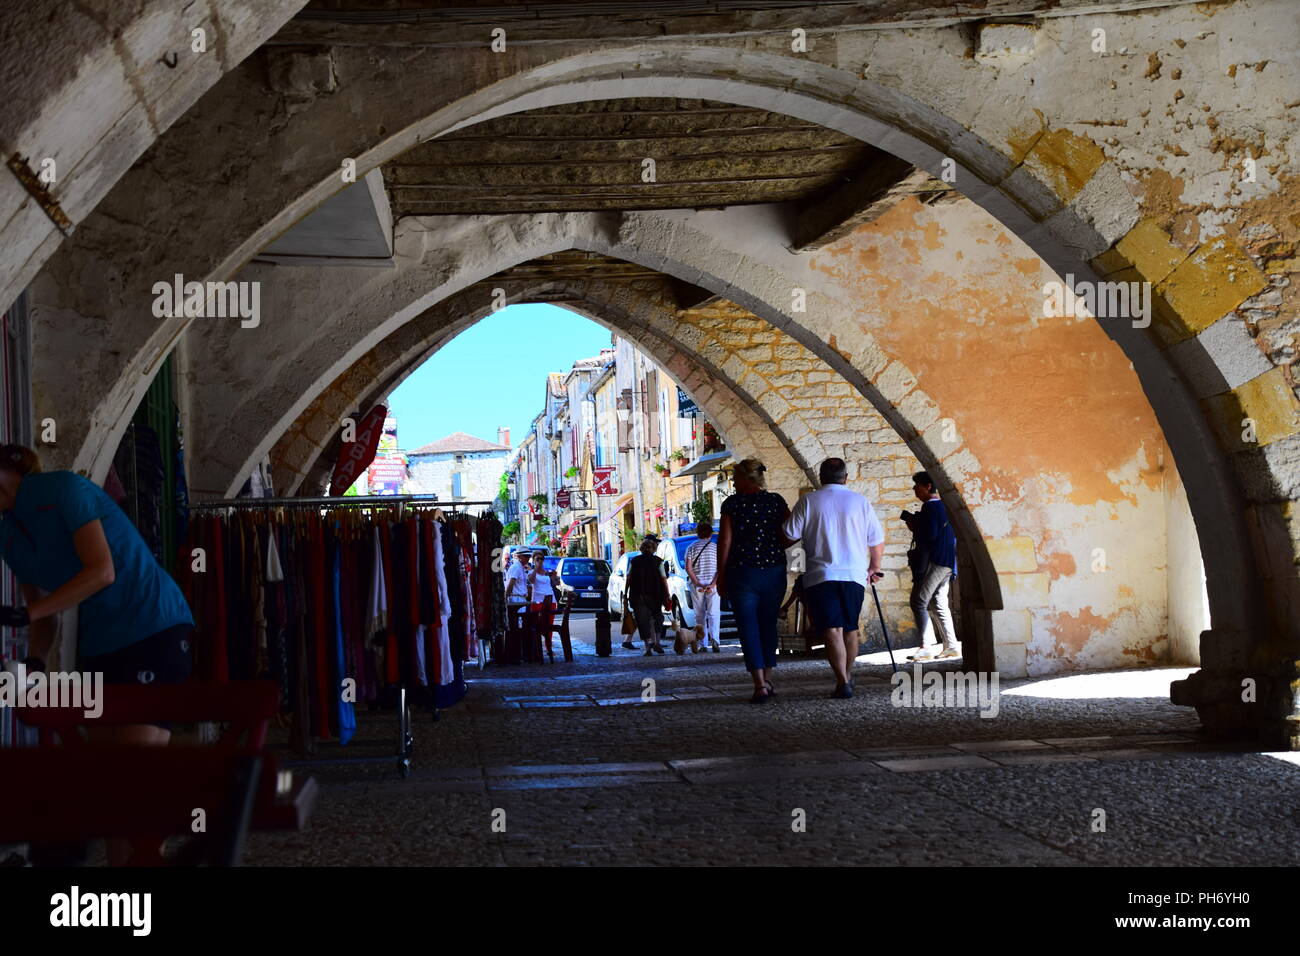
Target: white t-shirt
541	582
517	582
837	526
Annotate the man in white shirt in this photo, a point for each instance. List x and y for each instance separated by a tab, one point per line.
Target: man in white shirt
843	544
517	575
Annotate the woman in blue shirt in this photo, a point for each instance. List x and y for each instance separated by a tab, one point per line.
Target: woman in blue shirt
70	545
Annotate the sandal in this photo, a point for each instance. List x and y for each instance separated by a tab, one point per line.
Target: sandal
760	697
771	691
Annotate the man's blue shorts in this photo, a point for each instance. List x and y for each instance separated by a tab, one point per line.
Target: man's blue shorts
835	604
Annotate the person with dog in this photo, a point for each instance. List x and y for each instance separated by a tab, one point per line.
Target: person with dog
843	544
647	592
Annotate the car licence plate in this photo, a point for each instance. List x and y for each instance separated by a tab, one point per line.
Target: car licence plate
591	594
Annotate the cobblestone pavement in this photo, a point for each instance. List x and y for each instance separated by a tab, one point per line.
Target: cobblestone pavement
581	769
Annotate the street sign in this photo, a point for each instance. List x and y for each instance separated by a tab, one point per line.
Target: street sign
562	498
686	407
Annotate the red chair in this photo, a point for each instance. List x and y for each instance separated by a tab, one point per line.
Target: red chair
562	631
76	792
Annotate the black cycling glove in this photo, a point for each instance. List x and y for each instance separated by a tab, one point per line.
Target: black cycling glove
14	616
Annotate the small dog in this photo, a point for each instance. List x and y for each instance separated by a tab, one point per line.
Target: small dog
687	637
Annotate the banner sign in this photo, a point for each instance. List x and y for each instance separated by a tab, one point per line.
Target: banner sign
356	455
603	481
686	408
562	498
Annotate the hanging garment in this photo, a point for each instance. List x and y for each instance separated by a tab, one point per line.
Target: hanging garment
391	671
217	638
277	617
274	569
445	673
411	640
322	688
377	603
450	693
346	718
257	603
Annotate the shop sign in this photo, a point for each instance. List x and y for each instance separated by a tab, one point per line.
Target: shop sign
357	454
603	483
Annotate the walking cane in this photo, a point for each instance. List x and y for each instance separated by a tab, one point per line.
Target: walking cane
884	630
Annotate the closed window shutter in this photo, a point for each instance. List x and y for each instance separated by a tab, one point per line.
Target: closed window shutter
652	409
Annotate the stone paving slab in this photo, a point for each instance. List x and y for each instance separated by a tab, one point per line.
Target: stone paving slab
989	746
916	764
903	751
1036	759
803	757
524	770
766	773
572	782
1129	753
538	704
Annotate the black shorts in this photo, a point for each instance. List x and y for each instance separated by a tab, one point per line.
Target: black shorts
835	604
162	658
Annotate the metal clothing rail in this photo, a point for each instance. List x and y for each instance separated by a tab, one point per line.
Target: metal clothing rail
334	502
398	501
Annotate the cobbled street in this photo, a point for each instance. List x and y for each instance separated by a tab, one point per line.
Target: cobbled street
570	764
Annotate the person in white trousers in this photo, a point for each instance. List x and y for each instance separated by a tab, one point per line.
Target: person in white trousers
702	568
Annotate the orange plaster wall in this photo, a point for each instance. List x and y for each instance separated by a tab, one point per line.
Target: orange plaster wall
1050	407
1030	395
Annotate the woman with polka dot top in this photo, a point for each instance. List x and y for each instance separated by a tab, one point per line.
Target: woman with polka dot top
751	568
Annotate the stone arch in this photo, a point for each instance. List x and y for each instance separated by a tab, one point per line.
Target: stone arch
132	71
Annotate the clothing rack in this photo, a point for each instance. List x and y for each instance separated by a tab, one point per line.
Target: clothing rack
405	736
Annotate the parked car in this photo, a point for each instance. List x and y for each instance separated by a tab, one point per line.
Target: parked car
673	553
587	580
616	586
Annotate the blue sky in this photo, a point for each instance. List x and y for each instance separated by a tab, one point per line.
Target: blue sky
494	373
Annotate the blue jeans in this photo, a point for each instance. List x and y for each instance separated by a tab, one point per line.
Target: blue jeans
756	595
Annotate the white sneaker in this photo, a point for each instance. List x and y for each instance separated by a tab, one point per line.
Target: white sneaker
948	654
